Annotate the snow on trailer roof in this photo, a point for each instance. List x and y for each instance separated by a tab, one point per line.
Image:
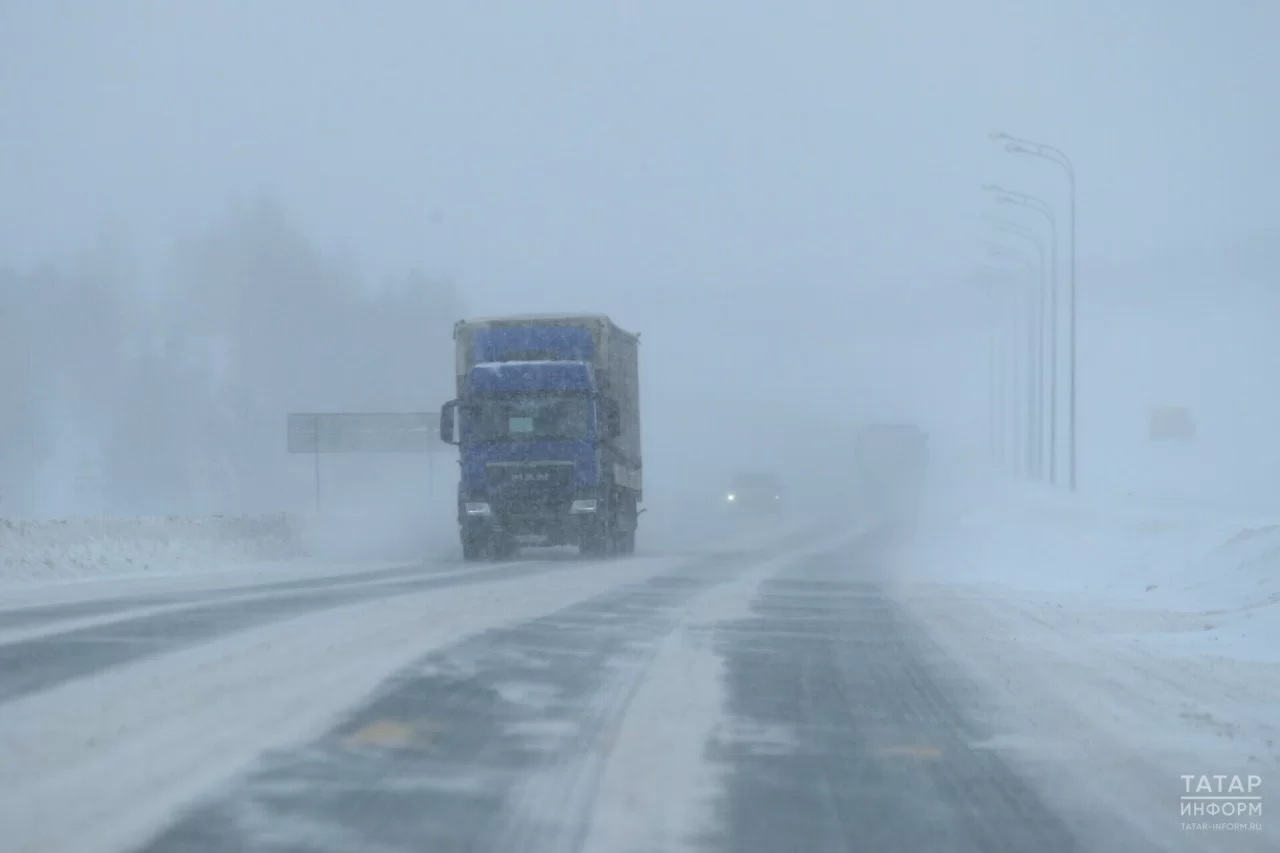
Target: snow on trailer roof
546	316
519	318
504	365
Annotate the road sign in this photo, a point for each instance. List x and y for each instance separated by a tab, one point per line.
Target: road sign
365	432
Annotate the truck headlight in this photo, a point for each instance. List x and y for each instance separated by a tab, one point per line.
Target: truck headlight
478	509
584	505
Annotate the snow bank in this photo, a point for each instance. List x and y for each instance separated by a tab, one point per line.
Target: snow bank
1182	556
1183	579
76	549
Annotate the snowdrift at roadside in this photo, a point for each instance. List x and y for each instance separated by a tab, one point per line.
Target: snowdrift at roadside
1196	581
83	548
1177	556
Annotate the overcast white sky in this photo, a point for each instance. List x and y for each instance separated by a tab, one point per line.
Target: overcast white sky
676	156
578	141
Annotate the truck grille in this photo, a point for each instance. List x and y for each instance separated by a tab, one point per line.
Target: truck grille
530	488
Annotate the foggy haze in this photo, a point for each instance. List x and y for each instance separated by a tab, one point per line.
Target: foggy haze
214	215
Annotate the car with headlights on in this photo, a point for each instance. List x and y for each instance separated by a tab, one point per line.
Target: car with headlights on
755	494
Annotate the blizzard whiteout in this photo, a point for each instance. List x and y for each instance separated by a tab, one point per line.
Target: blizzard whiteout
547	421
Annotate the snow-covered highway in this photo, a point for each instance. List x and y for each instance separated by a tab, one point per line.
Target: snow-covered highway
802	687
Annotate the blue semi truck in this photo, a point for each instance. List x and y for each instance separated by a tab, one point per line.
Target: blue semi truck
547	423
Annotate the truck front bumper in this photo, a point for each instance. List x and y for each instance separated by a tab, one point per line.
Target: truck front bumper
562	527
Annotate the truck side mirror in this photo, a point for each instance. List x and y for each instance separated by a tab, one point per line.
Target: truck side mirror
446	422
612	417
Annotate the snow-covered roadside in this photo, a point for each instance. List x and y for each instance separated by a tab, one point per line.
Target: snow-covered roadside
1186	578
1132	643
43	552
84	558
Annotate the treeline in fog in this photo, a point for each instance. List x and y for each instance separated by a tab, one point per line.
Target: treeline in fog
165	391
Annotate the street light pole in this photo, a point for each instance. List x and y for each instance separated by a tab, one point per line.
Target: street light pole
1039	205
1028	447
1000	366
1015	145
1035	342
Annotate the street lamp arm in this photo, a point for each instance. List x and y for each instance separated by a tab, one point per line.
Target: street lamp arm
1008	251
1019	145
1007	196
1031	202
1030	238
1012	227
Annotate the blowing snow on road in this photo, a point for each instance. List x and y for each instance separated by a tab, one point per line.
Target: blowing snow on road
786	689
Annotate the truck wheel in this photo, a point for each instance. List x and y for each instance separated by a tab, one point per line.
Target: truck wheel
624	538
595	542
504	548
472	549
626	542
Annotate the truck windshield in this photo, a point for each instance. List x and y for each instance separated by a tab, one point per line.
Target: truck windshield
527	418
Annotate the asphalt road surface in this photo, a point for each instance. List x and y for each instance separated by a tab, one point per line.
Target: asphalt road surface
759	701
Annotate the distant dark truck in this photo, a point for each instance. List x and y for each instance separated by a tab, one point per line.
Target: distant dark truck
547	420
